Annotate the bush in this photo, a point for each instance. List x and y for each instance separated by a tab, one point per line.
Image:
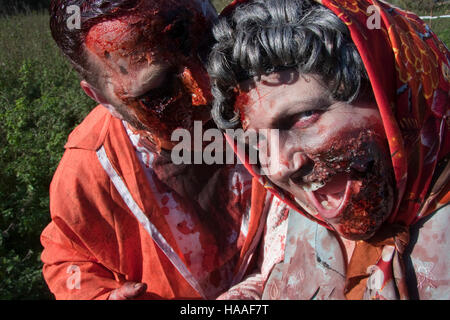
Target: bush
40	103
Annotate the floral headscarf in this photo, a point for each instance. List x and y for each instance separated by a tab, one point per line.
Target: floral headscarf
408	67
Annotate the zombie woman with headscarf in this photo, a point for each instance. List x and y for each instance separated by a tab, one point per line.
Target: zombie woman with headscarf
357	92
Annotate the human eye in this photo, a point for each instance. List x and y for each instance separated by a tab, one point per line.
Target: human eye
306	118
157	98
299	120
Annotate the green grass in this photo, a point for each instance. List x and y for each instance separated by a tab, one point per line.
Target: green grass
40	103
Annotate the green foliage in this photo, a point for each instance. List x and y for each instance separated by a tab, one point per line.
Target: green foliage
16	6
40	103
220	4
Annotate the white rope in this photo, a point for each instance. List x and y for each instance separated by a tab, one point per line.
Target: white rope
435	17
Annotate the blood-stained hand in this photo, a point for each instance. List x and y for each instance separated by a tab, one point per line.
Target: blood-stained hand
128	291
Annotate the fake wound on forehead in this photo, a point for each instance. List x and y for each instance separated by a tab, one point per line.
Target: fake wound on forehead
171	29
119	35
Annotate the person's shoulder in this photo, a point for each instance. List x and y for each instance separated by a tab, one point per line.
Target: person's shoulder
79	169
78	163
91	132
79	186
430	255
435	226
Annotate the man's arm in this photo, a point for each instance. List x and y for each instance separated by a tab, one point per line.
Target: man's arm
81	259
70	272
66	268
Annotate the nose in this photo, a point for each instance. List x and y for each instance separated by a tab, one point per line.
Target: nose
302	167
282	158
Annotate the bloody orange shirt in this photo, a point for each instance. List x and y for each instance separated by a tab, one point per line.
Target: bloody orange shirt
111	225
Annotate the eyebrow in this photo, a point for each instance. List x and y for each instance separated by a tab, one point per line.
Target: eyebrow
315	102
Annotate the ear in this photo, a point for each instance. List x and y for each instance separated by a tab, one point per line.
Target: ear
93	93
96	95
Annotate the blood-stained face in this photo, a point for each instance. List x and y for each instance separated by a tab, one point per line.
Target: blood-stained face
150	63
333	156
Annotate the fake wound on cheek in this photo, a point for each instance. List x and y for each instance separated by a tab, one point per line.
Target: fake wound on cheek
352	151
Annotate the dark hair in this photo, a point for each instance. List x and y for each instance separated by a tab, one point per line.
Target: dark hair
264	36
71	41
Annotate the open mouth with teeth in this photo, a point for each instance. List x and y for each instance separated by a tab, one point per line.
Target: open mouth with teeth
332	198
349	185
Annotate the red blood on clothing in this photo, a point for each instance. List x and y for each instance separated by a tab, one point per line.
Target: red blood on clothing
164	200
183	228
215	278
165	211
187	256
210	255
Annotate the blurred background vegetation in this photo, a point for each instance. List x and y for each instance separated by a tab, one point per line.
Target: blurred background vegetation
40	103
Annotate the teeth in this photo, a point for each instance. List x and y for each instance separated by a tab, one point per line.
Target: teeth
312	186
325	204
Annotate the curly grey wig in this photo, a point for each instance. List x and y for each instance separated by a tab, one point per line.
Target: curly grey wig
265	36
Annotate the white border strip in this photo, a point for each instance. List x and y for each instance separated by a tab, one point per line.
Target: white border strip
145	222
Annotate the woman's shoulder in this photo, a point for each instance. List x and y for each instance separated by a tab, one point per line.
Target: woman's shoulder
429	256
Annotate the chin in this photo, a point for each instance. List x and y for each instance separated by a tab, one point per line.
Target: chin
366	210
355	234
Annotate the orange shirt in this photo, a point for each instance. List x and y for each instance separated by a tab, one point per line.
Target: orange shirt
108	226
